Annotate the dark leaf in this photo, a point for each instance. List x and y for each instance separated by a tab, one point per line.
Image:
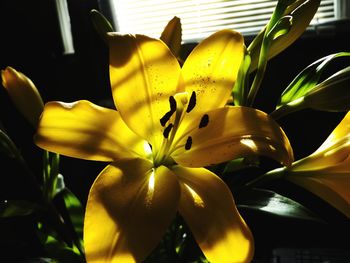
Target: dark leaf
101	24
267	201
73	214
307	79
6	145
11	208
61	253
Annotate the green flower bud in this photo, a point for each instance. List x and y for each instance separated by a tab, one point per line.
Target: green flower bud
302	12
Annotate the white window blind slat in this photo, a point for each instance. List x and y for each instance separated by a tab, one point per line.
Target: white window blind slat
201	18
65	26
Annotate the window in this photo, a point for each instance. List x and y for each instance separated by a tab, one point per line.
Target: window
200	18
65	26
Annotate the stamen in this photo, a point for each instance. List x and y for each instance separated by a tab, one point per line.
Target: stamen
188	144
170	113
192	102
204	121
178	103
167	130
172	102
165	118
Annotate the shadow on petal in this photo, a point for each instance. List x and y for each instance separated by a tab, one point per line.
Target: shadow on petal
209	210
130	206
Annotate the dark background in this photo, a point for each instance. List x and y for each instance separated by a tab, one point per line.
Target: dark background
31	43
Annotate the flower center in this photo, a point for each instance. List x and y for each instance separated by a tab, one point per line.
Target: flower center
171	121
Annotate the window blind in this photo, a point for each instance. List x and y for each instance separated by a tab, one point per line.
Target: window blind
65	26
200	18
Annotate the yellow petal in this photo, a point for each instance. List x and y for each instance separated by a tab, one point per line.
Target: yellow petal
172	35
211	69
87	131
231	132
341	131
24	94
325	173
334	150
129	208
333	156
332	187
208	208
143	75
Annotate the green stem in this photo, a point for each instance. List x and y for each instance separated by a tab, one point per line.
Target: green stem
262	64
264	51
51	163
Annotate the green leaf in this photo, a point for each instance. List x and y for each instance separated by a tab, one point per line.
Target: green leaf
60	252
305	91
11	208
333	94
73	214
7	146
281	28
75	210
101	24
41	260
307	79
267	201
239	164
51	174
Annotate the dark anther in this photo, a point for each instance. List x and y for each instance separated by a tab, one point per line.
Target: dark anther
172	102
167	130
168	115
192	102
204	121
165	118
150	145
188	144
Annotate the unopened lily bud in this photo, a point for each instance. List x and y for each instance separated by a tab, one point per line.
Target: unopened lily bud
23	94
302	12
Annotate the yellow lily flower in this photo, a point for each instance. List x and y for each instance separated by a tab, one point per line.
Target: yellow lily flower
23	93
326	172
170	122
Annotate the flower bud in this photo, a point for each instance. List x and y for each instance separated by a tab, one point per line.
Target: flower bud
23	94
302	13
